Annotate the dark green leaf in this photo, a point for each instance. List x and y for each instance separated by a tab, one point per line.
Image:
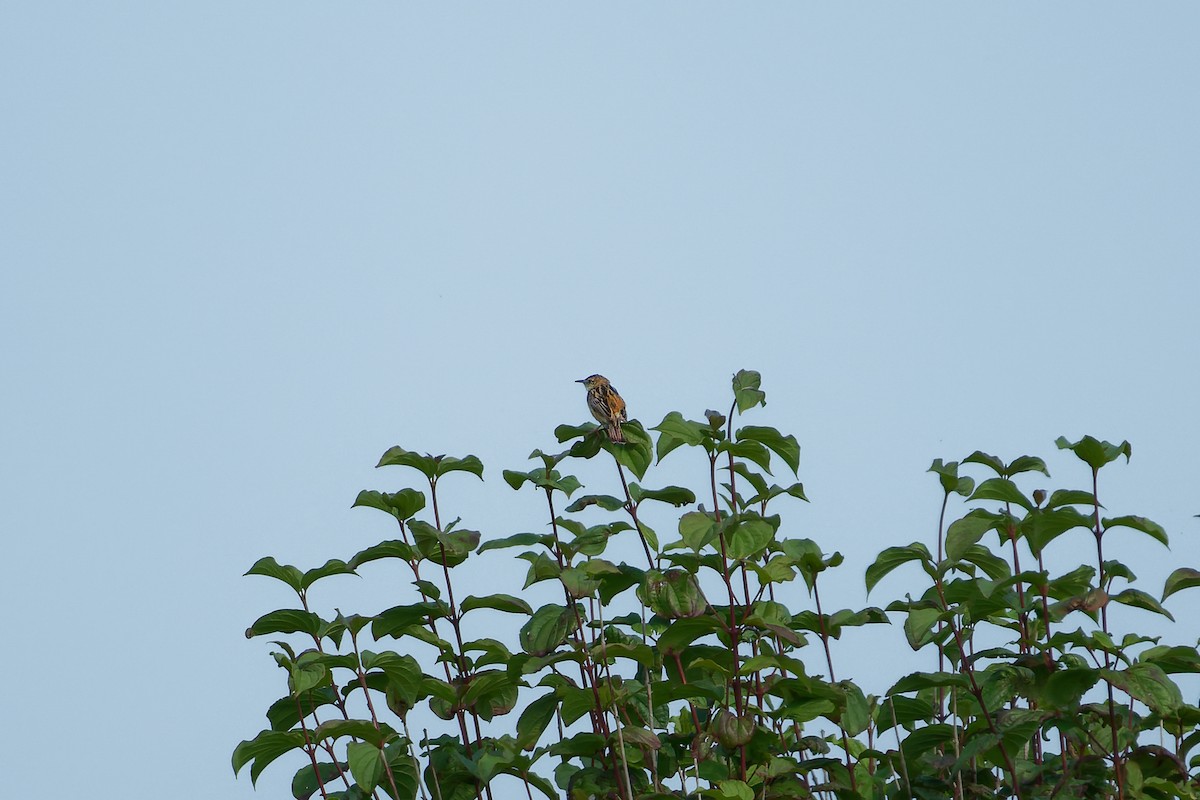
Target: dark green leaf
397	619
284	713
398	456
1042	526
1026	464
750	450
786	447
1001	489
393	548
605	501
263	749
332	567
675	495
305	783
402	505
285	620
283	572
893	557
675	431
966	532
499	602
357	728
929	680
534	720
1095	453
1152	529
988	460
1065	687
469	464
516	540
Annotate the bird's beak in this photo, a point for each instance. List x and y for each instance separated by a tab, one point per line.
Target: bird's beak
582	380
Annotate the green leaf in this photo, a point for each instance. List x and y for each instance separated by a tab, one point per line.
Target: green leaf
534	720
919	626
749	538
676	431
397	619
393	548
675	495
929	680
894	557
403	672
451	547
1001	489
1152	529
605	501
285	620
283	713
1095	453
402	505
269	567
471	464
926	740
1139	599
1026	464
1182	578
733	790
1065	687
697	529
565	432
1149	684
682	633
857	714
673	594
637	453
398	456
992	565
356	728
966	532
516	540
988	460
750	450
1044	525
366	764
403	769
786	447
333	566
1071	497
263	749
548	628
949	478
430	466
499	602
746	391
305	783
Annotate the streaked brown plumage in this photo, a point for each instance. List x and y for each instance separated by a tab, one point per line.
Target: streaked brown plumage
606	405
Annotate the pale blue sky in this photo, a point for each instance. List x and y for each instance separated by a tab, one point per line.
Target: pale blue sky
247	247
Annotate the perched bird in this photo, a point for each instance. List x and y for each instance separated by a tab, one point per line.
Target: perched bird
606	405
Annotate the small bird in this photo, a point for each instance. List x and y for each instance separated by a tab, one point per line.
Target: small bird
606	405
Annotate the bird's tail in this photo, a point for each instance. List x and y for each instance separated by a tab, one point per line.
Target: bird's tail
614	432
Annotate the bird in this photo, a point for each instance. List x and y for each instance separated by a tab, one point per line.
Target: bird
606	405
